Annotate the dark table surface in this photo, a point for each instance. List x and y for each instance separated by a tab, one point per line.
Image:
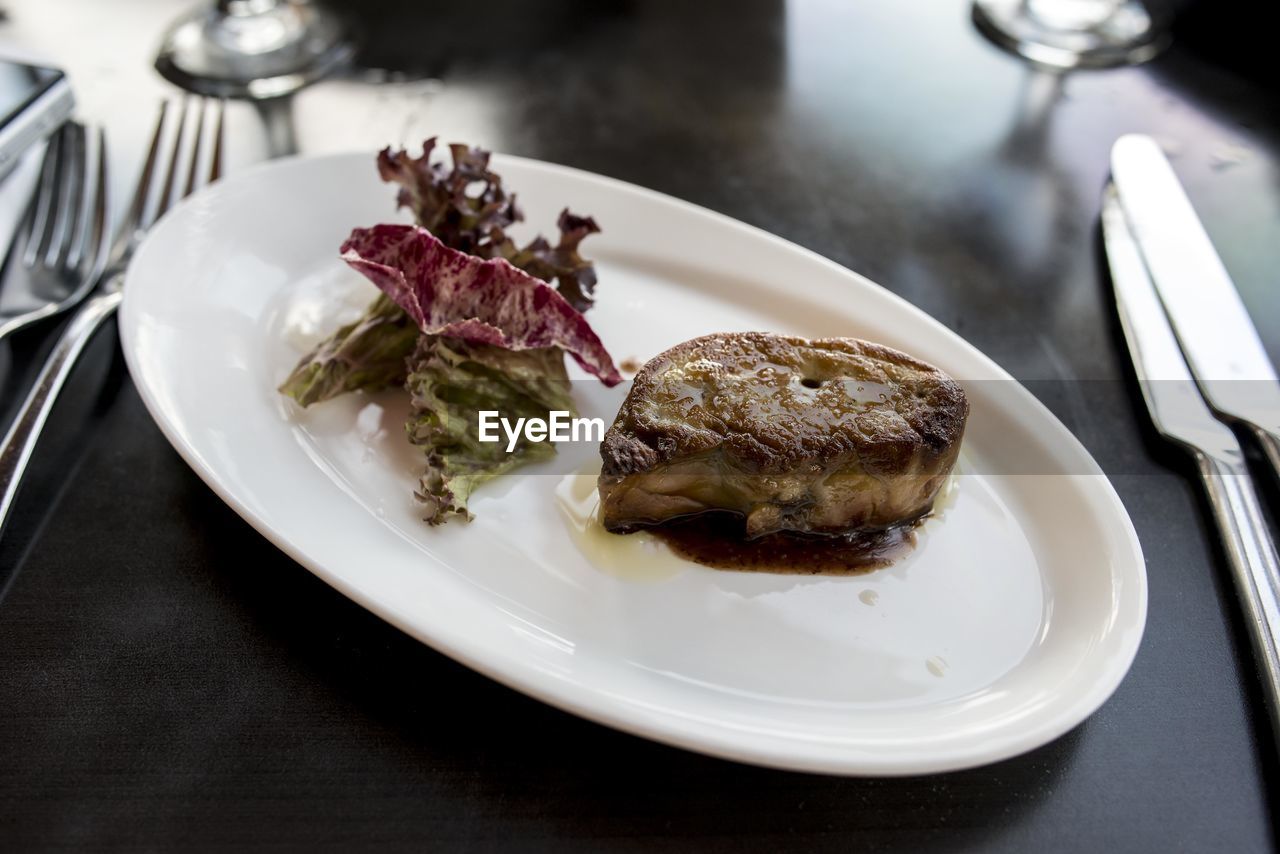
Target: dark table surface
168	678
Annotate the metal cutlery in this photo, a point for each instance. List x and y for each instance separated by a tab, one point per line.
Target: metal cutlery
17	189
15	451
1181	415
58	252
1217	337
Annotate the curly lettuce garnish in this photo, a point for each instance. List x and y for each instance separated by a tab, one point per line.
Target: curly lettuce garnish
467	321
575	276
467	208
450	381
368	355
447	292
493	337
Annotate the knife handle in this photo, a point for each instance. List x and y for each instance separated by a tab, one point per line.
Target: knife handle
1251	554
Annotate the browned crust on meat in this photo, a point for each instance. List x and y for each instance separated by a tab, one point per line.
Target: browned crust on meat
703	395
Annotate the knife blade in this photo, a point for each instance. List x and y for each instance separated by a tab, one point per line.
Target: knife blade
1180	414
1213	326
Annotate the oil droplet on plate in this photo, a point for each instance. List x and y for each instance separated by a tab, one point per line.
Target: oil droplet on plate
937	666
869	597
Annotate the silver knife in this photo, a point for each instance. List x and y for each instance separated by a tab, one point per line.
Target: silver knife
1217	337
1181	415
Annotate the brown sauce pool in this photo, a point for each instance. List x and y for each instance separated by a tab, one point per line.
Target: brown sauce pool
715	540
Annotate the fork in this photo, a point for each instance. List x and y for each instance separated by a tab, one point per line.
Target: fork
15	452
58	254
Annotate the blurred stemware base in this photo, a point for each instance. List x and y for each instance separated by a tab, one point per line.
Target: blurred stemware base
252	49
1123	34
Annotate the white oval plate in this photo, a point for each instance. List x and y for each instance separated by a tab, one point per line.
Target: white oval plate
1015	617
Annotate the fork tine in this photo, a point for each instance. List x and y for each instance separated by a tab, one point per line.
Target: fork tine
70	200
215	163
89	237
128	230
42	209
166	190
102	205
195	149
203	107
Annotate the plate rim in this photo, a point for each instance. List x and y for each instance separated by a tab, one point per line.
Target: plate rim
623	714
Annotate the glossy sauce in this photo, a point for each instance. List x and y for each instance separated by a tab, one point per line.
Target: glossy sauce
715	540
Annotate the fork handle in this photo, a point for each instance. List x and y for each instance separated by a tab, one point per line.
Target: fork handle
1251	554
25	432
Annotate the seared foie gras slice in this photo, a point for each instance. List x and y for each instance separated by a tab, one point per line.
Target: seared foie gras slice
822	436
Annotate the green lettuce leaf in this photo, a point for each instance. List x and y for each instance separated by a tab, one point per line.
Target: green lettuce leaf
450	382
368	354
